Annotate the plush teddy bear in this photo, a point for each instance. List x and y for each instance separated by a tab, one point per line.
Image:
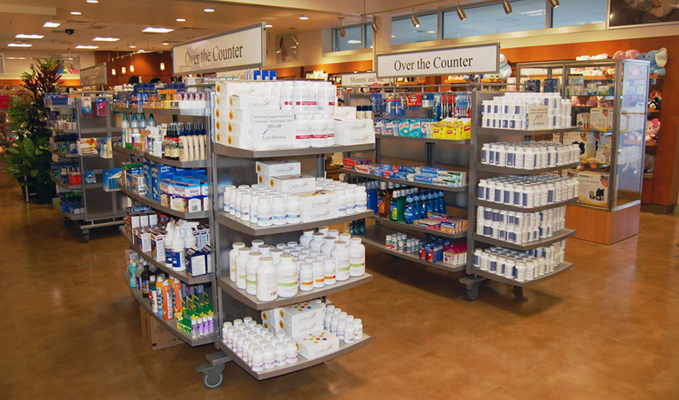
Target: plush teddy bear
652	129
658	59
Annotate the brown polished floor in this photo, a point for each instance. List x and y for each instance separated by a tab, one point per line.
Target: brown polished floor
608	329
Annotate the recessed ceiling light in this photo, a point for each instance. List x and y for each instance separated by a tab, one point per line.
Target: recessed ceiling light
105	39
25	36
76	13
303	17
431	31
208	10
354	41
80	46
133	46
50	24
269	26
16	58
181	20
93	1
157	30
19	45
166	44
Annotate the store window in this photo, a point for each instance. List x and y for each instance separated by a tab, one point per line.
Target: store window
403	31
491	19
357	37
580	12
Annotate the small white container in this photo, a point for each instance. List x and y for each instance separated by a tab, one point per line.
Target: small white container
330	271
306	277
342	260
280	354
319	274
258	359
293	210
269	357
267	280
232	260
279	211
291	352
356	257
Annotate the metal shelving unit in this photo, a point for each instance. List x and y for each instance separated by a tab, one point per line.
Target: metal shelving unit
414	228
480	136
404	182
235	152
155	204
424	140
257	231
102	208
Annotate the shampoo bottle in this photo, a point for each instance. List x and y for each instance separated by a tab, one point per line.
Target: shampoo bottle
178	251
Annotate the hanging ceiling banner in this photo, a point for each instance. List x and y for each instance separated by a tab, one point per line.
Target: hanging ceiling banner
363	79
238	49
484	59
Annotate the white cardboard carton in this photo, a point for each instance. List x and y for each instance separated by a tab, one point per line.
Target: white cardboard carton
317	345
293	183
278	168
302	319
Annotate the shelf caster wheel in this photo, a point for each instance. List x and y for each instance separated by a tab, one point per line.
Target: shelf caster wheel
472	293
86	236
213	381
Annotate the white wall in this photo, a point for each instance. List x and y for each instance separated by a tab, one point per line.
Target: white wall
14	68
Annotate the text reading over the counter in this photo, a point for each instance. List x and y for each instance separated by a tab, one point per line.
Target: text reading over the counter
217	54
436	63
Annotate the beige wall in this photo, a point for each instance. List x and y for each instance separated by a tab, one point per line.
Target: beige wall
14	68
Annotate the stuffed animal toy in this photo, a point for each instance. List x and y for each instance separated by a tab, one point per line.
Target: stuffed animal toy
658	59
505	68
576	101
652	129
655	100
631	54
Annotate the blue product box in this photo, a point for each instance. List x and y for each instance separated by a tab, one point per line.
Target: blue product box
429	170
399	175
161	172
409	169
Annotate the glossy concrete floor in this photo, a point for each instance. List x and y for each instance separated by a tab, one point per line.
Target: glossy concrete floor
608	329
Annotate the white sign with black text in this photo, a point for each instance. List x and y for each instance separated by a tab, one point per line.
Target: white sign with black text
242	48
363	79
484	59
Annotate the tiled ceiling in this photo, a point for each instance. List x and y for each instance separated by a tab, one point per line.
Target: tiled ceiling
125	19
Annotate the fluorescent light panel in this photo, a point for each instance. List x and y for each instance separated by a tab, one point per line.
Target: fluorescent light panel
80	46
19	45
180	20
209	10
151	29
76	13
105	39
25	36
50	24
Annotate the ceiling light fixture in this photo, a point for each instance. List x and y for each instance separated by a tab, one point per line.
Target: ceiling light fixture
166	44
353	41
342	32
105	39
209	9
86	47
50	24
113	71
162	66
303	17
19	45
269	26
76	13
374	24
25	36
93	1
460	12
554	3
180	20
131	68
507	6
413	18
123	70
151	29
15	58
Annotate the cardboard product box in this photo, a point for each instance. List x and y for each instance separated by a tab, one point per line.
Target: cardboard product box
593	188
302	183
319	200
354	125
583	121
278	168
345	113
155	334
258	115
271	320
354	138
302	319
318	345
601	119
275	131
537	117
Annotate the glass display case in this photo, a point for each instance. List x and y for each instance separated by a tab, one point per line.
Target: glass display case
609	104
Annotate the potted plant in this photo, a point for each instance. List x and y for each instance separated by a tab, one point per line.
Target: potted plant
29	160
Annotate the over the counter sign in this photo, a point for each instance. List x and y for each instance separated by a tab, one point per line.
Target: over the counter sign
483	59
238	49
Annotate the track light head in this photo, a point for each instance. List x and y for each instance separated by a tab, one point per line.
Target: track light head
461	14
375	27
554	3
342	31
507	6
416	22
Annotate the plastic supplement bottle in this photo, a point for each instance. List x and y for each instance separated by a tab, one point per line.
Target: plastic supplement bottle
264	212
319	273
241	260
280	354
317	241
232	260
342	260
267	280
361	199
251	272
306	237
349	333
357	257
293	210
306	277
291	352
329	244
279	211
330	271
287	276
258	359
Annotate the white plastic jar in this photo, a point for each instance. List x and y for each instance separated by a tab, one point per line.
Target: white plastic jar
351	199
361	200
330	271
287	276
279	211
319	128
319	273
317	242
241	260
342	202
342	260
232	259
276	256
227	196
328	245
356	257
267	280
291	352
307	236
306	277
269	357
251	272
293	210
264	212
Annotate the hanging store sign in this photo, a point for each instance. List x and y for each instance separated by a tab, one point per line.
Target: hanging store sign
483	59
238	49
363	79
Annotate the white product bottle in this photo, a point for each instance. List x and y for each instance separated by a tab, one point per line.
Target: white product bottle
269	357
319	273
264	212
306	277
258	359
351	199
267	280
358	329
291	352
287	276
361	200
241	260
233	195
319	128
255	244
357	257
342	202
330	134
285	95
227	195
298	97
302	132
279	211
317	242
245	207
328	245
178	251
342	260
294	210
251	272
307	236
280	355
330	271
349	332
276	254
